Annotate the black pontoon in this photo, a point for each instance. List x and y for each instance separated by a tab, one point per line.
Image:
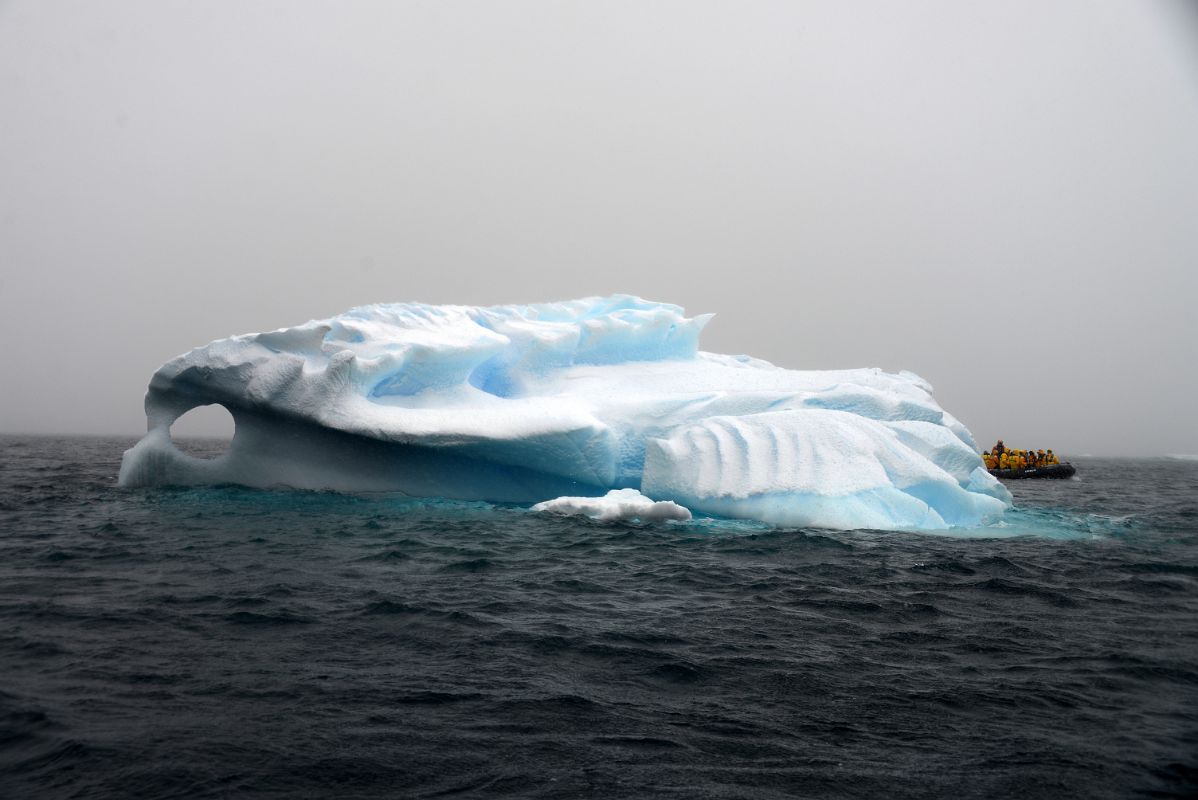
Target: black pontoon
1065	470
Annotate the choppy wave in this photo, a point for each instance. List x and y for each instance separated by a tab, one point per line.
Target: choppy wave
226	642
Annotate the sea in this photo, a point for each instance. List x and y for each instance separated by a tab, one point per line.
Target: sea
222	642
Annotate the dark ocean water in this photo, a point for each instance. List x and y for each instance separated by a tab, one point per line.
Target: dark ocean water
222	642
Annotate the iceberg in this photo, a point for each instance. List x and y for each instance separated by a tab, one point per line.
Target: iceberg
618	505
526	403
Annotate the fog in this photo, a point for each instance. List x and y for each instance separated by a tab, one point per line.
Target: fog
1001	197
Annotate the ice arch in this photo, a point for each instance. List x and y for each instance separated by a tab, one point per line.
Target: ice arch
205	431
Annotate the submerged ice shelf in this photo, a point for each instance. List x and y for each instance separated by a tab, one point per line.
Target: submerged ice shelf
526	403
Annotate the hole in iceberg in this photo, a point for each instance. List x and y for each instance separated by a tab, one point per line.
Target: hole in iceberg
204	431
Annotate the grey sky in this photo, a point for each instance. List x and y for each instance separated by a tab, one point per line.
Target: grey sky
1002	197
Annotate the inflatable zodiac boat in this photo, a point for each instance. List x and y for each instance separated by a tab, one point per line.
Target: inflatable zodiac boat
1065	470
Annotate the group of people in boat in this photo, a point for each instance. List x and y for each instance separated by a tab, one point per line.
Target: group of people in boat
1003	457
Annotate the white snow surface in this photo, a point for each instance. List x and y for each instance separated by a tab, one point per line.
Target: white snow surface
525	403
618	505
